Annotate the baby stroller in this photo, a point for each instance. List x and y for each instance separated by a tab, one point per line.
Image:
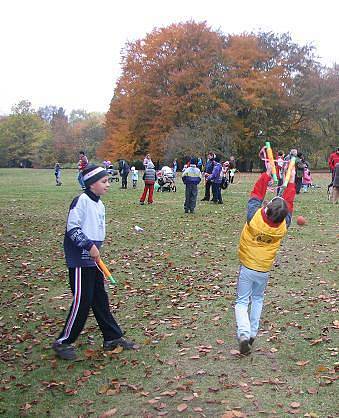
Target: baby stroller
113	174
166	180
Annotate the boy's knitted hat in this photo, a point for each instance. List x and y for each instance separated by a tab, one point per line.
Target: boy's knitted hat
93	173
194	161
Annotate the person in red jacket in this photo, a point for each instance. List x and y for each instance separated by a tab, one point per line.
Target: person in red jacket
333	160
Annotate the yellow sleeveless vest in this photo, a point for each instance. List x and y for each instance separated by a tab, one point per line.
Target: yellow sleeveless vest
259	243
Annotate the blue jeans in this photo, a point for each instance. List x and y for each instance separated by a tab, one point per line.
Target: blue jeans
216	192
81	180
251	288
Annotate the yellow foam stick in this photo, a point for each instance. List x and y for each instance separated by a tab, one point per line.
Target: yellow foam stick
271	161
102	266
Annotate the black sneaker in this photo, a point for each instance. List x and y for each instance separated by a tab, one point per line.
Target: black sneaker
251	341
64	351
122	342
244	346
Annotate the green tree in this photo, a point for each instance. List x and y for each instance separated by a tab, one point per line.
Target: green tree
21	134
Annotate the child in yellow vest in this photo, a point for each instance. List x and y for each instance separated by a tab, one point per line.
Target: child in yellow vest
259	242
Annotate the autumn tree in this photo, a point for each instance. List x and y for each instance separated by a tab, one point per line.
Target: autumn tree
169	79
320	96
186	75
263	76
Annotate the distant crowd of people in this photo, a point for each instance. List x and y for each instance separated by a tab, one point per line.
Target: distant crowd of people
217	175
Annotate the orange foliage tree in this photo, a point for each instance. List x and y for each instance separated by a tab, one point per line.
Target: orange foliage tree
186	76
168	80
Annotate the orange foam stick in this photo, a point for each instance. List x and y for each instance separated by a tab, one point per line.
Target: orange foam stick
106	272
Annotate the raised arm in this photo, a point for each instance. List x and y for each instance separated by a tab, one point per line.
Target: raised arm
257	195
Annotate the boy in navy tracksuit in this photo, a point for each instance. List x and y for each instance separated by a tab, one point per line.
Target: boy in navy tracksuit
85	233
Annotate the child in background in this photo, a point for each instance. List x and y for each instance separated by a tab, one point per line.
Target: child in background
82	164
232	172
307	180
225	175
191	178
280	170
57	172
85	233
259	242
149	178
135	177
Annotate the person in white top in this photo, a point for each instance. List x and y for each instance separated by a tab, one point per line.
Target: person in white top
147	160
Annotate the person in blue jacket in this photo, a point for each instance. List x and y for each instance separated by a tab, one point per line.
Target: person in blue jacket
216	178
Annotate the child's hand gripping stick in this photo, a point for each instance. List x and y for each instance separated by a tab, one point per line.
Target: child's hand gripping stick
106	272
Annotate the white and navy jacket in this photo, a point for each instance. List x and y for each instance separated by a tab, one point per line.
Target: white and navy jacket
85	227
191	175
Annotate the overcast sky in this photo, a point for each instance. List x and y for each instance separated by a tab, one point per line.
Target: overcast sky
67	52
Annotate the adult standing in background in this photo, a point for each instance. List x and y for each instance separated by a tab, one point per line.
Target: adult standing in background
124	170
208	172
82	164
332	161
215	178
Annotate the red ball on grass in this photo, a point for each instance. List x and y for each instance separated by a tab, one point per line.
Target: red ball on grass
301	220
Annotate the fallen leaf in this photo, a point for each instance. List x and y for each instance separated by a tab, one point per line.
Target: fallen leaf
169	393
182	407
295	404
322	368
312	391
109	413
71	391
302	363
233	414
87	373
90	353
317	341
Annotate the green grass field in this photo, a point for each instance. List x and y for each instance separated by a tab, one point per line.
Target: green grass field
175	295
